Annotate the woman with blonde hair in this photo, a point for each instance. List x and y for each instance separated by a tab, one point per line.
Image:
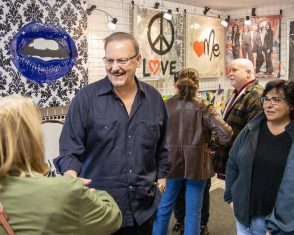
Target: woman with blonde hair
189	140
36	204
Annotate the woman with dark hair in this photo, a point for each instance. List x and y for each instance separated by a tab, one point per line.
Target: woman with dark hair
260	169
235	41
268	47
189	136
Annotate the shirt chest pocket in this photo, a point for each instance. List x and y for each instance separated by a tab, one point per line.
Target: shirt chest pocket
106	131
148	134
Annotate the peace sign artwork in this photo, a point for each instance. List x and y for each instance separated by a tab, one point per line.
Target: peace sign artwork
205	45
160	41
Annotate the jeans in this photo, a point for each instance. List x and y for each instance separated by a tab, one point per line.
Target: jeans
257	227
194	194
179	208
205	204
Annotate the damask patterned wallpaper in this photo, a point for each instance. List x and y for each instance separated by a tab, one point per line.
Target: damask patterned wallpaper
68	14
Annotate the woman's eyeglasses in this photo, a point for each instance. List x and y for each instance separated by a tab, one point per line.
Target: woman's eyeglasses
274	100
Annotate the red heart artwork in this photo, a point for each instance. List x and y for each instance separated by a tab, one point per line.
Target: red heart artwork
154	66
198	48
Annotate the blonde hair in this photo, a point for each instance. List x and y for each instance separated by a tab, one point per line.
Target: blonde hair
21	140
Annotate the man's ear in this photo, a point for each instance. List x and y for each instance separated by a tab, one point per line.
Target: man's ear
139	57
248	73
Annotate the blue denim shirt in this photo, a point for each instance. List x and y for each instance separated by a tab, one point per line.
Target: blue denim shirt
122	154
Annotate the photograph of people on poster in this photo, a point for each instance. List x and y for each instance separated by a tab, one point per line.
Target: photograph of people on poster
258	42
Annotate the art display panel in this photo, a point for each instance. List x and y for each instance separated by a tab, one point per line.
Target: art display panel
291	51
205	45
160	41
258	42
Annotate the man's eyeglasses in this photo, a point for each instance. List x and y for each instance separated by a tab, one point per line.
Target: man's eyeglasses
273	100
122	61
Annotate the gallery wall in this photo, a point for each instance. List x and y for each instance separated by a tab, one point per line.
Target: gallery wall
88	32
69	15
122	9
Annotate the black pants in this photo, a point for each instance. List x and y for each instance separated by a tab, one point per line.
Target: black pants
143	229
180	208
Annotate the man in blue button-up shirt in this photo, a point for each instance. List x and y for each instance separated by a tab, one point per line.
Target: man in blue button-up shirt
114	134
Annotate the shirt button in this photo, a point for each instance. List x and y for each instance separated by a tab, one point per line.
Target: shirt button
130	171
129	136
129	153
131	187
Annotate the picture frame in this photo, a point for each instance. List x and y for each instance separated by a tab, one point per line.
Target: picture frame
290	54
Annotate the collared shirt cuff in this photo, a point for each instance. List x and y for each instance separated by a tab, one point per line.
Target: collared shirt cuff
66	164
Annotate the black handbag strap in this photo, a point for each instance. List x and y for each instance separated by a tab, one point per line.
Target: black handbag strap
4	220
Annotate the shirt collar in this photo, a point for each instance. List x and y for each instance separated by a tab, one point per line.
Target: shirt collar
106	87
243	87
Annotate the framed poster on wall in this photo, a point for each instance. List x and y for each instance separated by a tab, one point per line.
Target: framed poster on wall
205	45
258	42
291	51
160	41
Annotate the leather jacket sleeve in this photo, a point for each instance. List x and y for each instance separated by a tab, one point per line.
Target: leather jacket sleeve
222	132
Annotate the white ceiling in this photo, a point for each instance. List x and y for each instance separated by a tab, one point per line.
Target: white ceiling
227	5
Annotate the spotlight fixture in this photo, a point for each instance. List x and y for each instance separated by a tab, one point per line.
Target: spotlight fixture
206	9
226	21
133	4
111	23
156	5
90	9
253	12
168	15
247	21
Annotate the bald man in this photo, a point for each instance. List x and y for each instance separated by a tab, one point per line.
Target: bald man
242	106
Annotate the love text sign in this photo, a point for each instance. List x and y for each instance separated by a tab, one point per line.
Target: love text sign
160	41
205	46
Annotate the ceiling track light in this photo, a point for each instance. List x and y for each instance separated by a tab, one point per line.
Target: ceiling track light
111	23
225	22
247	21
168	15
156	5
206	9
253	12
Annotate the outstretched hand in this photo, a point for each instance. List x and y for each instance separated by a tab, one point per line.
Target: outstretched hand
86	181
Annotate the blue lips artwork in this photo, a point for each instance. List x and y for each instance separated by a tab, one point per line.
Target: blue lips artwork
43	52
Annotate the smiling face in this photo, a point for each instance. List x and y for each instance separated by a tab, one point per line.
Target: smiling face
279	113
121	75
